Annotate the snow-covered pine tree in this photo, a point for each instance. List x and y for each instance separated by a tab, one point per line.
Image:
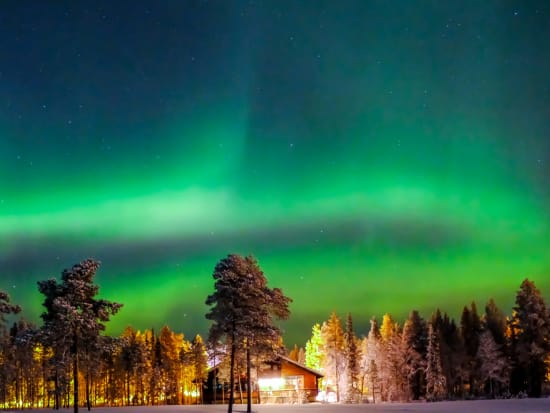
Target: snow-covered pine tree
435	379
374	359
6	308
414	347
494	365
391	368
530	325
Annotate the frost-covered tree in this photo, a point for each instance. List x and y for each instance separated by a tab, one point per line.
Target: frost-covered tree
530	326
494	365
435	379
333	337
74	317
6	308
391	367
414	346
243	310
373	359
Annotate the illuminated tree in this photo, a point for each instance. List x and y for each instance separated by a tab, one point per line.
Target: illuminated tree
530	325
373	358
335	362
293	354
315	354
73	316
195	360
7	347
243	311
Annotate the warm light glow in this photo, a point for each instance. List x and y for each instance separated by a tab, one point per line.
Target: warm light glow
275	383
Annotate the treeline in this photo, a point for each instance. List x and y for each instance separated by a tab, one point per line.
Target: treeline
67	361
484	355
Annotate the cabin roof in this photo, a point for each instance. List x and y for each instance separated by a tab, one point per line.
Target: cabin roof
301	366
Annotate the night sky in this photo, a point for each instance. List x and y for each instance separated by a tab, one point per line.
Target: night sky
375	156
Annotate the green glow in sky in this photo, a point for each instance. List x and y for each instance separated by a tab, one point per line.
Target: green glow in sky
372	160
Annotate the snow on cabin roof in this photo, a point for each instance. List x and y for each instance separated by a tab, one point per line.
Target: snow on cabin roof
300	365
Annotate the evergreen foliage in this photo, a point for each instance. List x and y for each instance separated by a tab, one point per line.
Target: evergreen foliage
243	309
73	316
530	344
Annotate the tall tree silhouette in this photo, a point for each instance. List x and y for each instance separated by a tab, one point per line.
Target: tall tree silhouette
243	311
530	326
73	316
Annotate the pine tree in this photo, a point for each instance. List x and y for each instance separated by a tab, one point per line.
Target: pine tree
530	325
470	326
435	380
243	310
414	345
352	356
74	317
495	321
6	308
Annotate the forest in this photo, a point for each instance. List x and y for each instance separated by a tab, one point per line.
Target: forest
69	360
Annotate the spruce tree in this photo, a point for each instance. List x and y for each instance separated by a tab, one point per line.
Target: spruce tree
352	355
530	326
6	308
435	379
414	344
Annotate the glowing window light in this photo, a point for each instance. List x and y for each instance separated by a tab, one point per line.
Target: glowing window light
275	383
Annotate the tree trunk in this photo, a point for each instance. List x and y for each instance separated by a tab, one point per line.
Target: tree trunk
88	379
75	372
248	387
232	374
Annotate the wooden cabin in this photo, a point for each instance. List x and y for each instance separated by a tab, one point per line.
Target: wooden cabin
280	381
287	381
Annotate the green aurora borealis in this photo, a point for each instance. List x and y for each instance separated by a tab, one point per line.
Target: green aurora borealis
374	156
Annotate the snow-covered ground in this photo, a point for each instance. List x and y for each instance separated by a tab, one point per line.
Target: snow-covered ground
478	406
